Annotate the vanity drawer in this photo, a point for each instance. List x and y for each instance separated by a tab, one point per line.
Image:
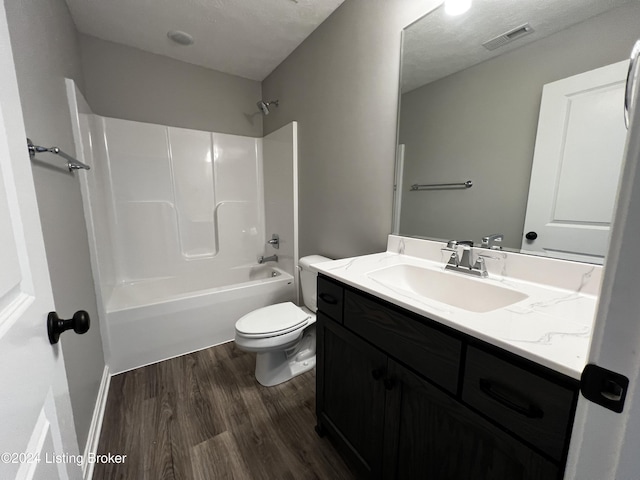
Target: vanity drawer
428	351
330	298
532	407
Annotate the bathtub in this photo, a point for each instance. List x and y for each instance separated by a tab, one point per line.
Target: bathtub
157	319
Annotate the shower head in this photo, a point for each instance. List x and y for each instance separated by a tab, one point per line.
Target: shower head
264	106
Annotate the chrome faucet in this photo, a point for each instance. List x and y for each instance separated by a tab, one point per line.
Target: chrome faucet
275	241
466	263
490	241
452	246
272	258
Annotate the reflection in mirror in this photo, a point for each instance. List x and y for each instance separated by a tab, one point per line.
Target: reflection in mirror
471	113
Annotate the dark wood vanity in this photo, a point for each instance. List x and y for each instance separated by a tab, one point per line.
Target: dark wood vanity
404	397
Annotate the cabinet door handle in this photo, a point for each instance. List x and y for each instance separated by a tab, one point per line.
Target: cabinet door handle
330	299
529	411
377	373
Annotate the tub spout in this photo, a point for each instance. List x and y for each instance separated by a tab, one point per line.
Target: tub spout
272	258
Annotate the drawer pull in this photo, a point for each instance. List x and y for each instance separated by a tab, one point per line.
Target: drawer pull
377	373
330	299
529	411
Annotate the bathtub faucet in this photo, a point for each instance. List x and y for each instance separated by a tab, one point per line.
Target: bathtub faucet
272	258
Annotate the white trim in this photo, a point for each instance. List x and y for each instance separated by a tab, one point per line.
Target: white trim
73	92
96	424
398	190
296	250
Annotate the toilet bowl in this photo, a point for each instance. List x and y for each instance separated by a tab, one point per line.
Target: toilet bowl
283	335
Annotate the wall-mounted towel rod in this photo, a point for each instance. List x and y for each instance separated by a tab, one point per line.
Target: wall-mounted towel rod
72	163
467	184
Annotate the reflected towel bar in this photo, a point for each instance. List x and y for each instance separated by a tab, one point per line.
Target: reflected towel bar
72	163
467	184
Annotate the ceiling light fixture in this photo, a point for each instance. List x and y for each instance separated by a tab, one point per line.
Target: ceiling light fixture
180	37
456	7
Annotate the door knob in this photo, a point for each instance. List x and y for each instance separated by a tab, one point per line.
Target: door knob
55	325
531	235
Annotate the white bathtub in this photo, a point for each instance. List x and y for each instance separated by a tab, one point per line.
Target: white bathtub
154	320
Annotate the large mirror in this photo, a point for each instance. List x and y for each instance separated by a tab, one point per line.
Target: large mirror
524	100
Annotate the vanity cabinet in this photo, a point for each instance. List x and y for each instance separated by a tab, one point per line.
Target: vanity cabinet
403	397
353	406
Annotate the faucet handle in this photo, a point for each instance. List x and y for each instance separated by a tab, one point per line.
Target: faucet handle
490	241
453	259
275	241
480	266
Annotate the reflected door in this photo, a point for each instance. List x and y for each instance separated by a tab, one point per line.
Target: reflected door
576	165
36	424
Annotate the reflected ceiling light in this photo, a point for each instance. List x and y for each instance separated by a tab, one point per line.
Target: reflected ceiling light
456	7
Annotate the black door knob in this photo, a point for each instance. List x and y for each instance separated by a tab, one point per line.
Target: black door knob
531	235
55	325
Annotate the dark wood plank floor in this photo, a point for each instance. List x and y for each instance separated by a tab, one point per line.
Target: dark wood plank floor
204	416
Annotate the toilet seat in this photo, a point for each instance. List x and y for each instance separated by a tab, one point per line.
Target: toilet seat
273	320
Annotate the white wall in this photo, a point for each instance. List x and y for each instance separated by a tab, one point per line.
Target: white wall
174	203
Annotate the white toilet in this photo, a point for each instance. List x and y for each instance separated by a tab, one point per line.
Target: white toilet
283	335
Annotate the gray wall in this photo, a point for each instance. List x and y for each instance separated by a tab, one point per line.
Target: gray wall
45	50
124	82
341	85
481	124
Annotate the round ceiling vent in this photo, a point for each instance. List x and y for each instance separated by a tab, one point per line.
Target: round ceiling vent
180	37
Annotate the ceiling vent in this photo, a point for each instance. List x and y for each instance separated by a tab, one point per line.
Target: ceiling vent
507	37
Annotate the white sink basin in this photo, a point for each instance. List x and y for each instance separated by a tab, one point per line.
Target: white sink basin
474	295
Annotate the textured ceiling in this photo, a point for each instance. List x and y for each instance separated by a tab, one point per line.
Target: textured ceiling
438	45
249	38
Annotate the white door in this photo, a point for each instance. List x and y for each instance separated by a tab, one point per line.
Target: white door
605	444
35	411
576	165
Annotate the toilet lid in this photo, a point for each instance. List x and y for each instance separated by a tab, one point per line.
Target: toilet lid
274	319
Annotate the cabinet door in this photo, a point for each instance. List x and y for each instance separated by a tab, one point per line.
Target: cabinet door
351	394
430	435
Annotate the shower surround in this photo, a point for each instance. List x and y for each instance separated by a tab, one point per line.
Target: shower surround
177	222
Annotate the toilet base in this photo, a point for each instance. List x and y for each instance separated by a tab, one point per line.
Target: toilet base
273	368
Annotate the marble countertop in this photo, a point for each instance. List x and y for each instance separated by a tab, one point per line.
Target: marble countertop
551	327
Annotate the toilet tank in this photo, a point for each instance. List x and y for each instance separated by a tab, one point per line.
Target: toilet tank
308	279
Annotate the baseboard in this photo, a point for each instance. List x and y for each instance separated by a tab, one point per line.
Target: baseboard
96	424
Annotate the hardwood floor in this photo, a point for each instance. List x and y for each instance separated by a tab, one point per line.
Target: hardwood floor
204	416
